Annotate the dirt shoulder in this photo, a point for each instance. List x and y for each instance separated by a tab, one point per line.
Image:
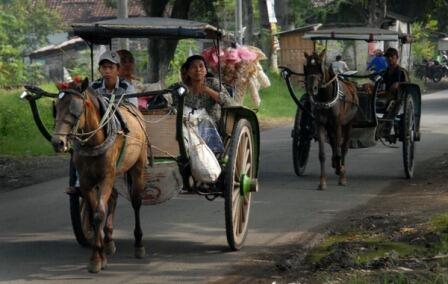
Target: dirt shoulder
16	172
394	225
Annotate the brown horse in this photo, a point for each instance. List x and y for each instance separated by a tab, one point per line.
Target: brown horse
99	155
334	103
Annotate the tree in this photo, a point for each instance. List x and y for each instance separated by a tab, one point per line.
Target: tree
248	21
24	26
161	51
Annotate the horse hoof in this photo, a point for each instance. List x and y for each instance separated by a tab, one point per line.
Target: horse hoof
343	182
110	248
103	263
322	187
139	252
94	266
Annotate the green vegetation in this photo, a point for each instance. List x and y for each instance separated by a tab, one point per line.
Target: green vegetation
363	249
24	26
425	45
18	132
20	136
276	102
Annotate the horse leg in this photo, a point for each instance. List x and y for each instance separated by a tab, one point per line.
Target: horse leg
332	140
344	149
109	243
337	152
323	177
99	198
137	187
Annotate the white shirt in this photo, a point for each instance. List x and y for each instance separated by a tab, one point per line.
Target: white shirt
339	67
121	86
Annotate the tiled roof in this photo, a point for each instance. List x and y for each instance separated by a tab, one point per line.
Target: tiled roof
82	11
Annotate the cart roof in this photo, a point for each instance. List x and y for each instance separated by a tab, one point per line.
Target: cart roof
144	27
354	33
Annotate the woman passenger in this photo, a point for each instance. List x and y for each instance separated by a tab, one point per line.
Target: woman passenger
203	91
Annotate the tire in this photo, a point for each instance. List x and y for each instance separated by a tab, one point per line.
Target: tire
80	218
437	75
301	141
237	205
408	138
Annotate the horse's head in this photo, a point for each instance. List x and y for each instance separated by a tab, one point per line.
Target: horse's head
314	72
68	109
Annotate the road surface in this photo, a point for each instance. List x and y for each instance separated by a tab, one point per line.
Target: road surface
185	237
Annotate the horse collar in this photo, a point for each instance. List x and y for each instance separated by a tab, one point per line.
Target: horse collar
337	94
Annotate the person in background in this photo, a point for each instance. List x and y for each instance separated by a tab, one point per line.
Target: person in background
127	68
378	63
394	73
339	66
392	77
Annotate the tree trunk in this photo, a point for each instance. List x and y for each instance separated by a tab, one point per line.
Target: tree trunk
265	38
284	14
161	51
376	10
248	21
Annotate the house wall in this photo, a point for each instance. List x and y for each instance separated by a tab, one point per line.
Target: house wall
292	48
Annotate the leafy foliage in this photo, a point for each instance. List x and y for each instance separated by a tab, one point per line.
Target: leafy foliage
24	26
425	44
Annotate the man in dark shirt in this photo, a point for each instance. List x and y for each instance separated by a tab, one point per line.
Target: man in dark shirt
394	73
393	76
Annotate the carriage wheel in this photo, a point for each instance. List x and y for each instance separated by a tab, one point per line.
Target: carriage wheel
240	182
437	75
408	137
301	142
81	220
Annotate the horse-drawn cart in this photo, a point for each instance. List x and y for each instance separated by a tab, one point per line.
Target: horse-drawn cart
370	122
169	169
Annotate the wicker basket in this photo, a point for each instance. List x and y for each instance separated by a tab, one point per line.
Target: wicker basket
161	127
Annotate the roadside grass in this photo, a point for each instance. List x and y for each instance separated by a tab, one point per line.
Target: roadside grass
433	253
276	103
19	135
18	132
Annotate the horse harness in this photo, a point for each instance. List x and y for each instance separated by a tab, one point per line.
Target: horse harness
109	120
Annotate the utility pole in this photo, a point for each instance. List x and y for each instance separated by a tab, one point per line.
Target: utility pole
239	22
274	41
122	13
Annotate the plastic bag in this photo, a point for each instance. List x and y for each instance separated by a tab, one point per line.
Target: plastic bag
204	165
206	128
209	133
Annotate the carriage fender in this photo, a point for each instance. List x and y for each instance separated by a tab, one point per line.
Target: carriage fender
239	112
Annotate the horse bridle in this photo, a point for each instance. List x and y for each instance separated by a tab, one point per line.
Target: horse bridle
321	76
75	112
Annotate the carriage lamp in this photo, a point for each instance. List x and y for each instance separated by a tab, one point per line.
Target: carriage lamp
24	95
181	91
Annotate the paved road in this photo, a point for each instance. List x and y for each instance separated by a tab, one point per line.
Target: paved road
185	237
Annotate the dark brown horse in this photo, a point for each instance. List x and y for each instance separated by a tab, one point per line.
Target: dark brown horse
99	156
334	103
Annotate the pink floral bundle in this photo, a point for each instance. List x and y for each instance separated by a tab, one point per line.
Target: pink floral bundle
240	68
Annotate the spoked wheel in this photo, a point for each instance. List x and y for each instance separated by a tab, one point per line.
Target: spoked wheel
240	182
408	133
80	218
301	141
437	75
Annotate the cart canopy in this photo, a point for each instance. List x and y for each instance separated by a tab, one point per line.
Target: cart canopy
144	27
354	33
